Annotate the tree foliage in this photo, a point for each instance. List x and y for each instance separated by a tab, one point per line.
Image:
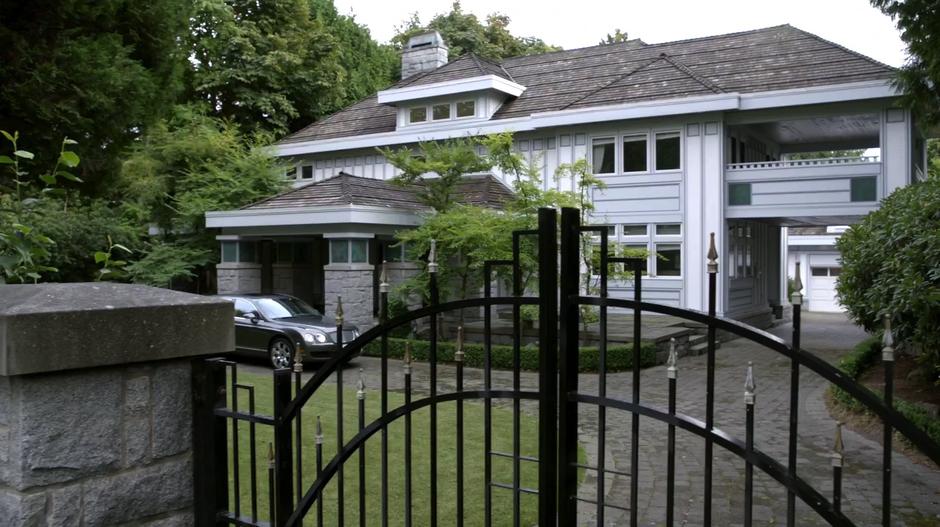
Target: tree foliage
891	266
186	166
465	33
919	22
100	72
617	37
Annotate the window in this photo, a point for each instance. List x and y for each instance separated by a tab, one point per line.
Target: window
291	173
439	112
306	172
667	151
739	194
669	229
349	251
634	153
229	251
819	271
393	251
638	251
634	230
243	307
418	115
864	189
668	259
466	109
603	156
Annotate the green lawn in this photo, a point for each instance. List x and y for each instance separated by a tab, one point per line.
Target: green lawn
324	404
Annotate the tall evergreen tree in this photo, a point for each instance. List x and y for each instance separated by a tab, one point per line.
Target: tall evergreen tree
99	72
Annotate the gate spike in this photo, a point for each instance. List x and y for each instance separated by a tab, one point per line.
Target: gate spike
432	257
339	310
887	341
407	358
361	391
319	434
838	447
458	355
750	386
383	278
298	360
672	360
712	255
796	298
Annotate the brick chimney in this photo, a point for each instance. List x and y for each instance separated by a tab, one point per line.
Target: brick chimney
424	52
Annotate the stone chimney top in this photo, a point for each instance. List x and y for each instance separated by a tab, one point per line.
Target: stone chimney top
424	52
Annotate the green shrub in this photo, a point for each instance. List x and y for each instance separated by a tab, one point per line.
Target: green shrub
619	357
891	266
862	357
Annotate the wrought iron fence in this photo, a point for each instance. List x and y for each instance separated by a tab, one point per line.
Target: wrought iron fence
295	498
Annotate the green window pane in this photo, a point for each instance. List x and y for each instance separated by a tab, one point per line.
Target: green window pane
358	251
667	151
634	230
229	251
339	251
865	189
246	252
669	259
739	194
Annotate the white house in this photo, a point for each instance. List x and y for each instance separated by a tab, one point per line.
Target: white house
691	137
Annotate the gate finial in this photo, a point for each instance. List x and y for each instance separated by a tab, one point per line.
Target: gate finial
712	255
796	297
432	257
319	434
361	387
750	387
887	341
339	310
383	278
838	447
671	366
458	355
298	360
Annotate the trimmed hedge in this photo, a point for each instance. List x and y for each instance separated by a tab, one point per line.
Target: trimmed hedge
619	358
862	357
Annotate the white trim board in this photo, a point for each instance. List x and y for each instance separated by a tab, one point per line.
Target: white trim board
452	87
311	216
680	106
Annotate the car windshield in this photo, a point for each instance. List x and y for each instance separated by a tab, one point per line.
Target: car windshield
285	307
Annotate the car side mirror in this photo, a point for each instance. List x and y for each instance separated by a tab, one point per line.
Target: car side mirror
253	317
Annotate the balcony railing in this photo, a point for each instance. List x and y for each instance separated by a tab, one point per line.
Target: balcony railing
795	163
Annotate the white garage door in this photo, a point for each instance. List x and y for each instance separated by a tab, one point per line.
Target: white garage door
822	287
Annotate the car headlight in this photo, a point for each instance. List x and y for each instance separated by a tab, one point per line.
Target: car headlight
315	337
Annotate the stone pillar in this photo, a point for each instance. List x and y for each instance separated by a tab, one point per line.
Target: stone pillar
238	277
353	282
96	402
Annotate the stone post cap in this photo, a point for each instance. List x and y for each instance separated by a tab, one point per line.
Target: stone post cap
54	327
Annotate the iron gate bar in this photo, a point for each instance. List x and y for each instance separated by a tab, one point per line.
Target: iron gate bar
210	455
252	452
759	459
236	497
712	269
568	367
488	385
334	466
548	364
830	373
341	488
383	404
635	424
672	371
361	397
435	300
282	448
407	371
458	358
796	299
749	400
887	358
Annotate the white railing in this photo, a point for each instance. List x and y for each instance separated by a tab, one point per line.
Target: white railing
792	163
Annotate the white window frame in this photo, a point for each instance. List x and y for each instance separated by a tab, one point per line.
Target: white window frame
621	157
429	112
650	240
348	251
678	134
604	140
472	115
650	136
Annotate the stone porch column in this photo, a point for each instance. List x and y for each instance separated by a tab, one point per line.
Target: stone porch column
354	283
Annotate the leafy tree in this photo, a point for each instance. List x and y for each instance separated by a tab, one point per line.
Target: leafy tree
891	266
98	71
449	160
919	22
184	167
617	37
933	158
464	33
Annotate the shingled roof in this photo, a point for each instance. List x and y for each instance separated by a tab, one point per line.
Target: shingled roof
346	189
773	58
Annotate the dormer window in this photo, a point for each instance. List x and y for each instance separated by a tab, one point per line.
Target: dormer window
466	109
418	115
440	112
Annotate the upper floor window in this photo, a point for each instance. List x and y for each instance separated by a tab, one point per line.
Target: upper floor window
466	109
602	155
306	172
637	153
439	112
291	173
668	152
418	115
634	153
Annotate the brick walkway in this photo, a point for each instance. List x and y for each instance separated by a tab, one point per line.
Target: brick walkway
916	487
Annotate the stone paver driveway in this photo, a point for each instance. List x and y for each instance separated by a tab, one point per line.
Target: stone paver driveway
916	486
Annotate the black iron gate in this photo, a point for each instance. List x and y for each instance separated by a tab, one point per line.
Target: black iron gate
297	498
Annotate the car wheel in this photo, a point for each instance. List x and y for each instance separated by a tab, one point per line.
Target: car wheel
281	352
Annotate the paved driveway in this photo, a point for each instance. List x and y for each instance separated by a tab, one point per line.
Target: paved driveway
916	487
